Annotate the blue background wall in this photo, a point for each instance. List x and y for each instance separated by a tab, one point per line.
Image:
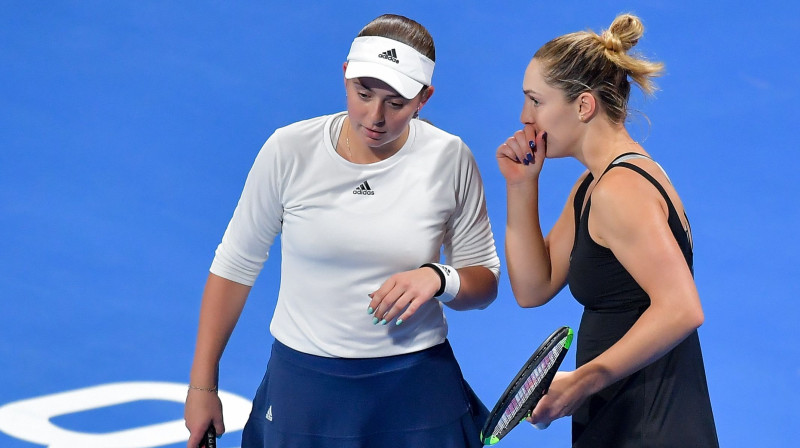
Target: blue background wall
127	129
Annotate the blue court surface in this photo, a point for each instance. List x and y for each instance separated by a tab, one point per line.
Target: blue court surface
128	128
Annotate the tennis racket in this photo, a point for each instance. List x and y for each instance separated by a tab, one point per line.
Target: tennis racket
528	387
210	439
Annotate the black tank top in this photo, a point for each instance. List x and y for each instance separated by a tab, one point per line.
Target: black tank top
596	278
665	404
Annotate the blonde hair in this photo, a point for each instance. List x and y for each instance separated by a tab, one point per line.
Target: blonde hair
600	63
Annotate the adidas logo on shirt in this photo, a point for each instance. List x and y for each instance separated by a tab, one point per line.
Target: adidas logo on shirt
390	55
364	189
269	413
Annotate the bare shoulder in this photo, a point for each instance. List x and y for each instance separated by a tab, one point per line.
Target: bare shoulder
619	186
623	202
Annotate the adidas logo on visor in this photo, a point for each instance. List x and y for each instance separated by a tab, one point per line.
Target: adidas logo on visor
364	189
390	55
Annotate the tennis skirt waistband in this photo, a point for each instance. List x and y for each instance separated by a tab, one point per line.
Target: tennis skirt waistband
355	367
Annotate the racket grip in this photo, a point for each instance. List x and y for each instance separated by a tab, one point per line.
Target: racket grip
210	437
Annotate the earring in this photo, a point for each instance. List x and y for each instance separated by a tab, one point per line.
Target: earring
580	117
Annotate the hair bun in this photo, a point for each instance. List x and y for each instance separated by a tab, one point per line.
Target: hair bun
612	42
623	34
599	62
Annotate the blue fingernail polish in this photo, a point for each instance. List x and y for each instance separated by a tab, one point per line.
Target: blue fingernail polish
383	321
370	310
526	161
399	321
529	157
374	321
532	144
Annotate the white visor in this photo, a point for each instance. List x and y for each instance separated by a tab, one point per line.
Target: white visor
395	63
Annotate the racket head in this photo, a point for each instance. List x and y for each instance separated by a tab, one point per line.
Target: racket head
527	387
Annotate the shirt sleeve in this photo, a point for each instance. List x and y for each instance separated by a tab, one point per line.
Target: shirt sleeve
256	220
469	240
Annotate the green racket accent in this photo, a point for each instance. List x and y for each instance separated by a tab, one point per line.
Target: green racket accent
490	441
568	342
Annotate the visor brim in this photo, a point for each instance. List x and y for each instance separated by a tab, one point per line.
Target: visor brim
405	86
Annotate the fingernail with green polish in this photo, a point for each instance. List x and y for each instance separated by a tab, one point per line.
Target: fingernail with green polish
399	321
370	310
383	321
374	321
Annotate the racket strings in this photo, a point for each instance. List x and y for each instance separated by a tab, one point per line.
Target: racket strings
525	391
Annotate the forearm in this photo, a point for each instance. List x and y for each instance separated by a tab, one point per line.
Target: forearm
478	288
527	257
222	304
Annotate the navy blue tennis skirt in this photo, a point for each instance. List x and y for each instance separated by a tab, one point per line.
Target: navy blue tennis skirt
418	400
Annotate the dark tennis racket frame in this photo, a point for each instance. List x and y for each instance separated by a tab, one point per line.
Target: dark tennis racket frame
524	411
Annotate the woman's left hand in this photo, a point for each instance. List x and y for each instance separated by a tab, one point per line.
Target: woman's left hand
401	295
562	399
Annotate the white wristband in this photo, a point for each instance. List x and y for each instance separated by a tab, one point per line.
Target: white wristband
451	281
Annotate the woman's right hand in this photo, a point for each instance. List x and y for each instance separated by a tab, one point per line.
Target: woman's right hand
201	409
521	157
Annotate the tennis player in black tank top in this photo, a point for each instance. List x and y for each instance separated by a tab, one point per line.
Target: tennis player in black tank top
622	243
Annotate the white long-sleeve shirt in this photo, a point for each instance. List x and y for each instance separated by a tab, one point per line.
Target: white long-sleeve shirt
345	228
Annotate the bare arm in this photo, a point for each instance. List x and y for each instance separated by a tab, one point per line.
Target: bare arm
478	289
537	265
222	304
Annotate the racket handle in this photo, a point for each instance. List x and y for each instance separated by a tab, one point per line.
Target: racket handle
210	437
